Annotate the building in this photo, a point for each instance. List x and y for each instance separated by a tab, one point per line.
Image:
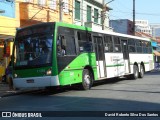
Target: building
9	21
155	45
37	11
143	26
124	26
155	30
89	13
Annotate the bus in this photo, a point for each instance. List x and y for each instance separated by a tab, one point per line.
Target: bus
60	54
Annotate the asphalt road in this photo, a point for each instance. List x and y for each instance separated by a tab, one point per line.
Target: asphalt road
113	95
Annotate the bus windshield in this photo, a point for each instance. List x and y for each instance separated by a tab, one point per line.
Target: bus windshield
33	50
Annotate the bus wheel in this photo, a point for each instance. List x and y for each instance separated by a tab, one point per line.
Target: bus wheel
135	74
141	73
87	79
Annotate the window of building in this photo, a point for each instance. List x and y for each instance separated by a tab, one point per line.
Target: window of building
41	2
77	10
89	13
53	4
95	15
66	6
28	1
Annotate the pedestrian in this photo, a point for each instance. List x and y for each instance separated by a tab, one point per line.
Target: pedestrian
9	76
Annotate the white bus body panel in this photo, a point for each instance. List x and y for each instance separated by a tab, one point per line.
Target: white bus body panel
100	68
115	65
147	59
38	82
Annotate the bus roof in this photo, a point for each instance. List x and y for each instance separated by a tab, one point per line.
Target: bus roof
120	34
89	29
73	26
101	31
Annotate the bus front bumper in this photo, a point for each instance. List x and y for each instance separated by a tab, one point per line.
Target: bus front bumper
36	82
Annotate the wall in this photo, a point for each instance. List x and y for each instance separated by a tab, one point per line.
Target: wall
33	12
9	21
98	4
120	26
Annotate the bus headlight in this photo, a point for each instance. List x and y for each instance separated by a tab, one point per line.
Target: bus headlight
49	71
15	75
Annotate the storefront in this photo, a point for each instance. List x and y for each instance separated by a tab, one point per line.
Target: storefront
9	21
6	44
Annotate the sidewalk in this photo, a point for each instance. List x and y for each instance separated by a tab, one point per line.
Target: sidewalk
4	90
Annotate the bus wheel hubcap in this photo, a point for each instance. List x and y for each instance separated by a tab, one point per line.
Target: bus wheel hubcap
87	79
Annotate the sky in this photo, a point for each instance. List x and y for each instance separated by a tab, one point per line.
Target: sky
144	9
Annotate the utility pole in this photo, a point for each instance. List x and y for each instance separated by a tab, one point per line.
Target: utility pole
133	17
103	15
61	3
103	12
82	14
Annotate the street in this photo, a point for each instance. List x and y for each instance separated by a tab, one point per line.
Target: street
121	95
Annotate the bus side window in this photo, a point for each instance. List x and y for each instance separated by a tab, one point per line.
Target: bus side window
108	44
144	47
139	46
61	46
149	46
131	45
84	41
117	45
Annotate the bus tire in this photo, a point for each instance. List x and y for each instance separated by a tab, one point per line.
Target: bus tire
141	73
87	79
135	74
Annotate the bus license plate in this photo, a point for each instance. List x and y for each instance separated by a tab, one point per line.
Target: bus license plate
30	81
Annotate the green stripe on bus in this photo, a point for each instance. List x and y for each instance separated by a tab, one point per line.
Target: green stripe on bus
115	65
73	26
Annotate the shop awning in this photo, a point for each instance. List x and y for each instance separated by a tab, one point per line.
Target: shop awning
6	37
156	53
154	44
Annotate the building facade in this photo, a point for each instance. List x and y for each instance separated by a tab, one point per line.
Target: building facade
37	11
155	30
124	26
9	21
89	13
143	26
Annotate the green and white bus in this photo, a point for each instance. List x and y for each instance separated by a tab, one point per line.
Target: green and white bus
60	54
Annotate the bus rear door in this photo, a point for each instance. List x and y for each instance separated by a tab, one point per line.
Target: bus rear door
100	58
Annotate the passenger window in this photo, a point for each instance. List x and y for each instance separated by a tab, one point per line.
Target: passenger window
66	42
139	46
131	45
117	45
84	41
108	44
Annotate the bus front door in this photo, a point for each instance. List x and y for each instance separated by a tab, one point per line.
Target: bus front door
125	55
100	58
